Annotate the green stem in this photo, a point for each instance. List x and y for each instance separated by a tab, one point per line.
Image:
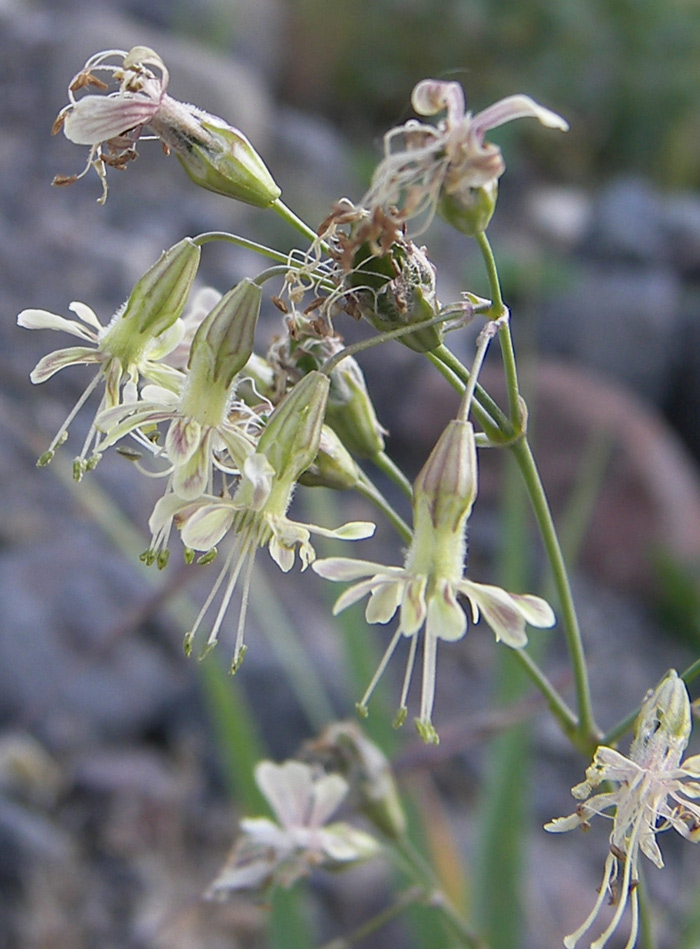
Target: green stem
296	222
367	489
419	870
400	905
587	735
485	409
270	252
504	334
392	471
565	716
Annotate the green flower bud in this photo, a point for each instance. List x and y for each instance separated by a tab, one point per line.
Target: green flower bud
446	486
397	290
292	435
664	723
223	343
350	411
333	466
470	209
159	297
156	301
215	155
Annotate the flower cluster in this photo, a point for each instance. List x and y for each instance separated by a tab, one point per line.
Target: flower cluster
656	791
230	465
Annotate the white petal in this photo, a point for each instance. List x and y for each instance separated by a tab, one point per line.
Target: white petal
288	789
384	602
96	119
61	358
207	525
328	791
445	618
44	320
183	439
353	530
561	824
515	107
413	607
353	594
536	611
499	611
86	314
346	568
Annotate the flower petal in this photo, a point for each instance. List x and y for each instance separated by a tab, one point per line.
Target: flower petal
183	439
499	610
96	119
347	568
384	601
59	359
445	618
204	528
514	107
44	320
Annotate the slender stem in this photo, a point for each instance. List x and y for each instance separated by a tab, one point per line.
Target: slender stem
270	252
504	334
485	410
400	905
491	271
566	717
367	489
588	734
296	222
392	470
424	875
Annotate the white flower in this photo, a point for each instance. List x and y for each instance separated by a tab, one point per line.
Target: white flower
119	375
256	516
301	838
139	335
652	795
430	603
426	589
423	163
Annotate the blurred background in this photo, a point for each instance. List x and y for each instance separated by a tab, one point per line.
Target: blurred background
124	767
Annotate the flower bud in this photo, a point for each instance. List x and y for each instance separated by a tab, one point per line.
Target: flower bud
155	303
224	341
350	412
469	210
292	435
446	486
333	467
663	726
397	290
215	155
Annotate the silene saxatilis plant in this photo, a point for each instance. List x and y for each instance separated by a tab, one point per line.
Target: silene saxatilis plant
176	382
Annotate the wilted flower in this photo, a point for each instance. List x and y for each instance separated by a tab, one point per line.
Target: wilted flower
215	155
302	799
652	795
425	590
448	166
132	345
